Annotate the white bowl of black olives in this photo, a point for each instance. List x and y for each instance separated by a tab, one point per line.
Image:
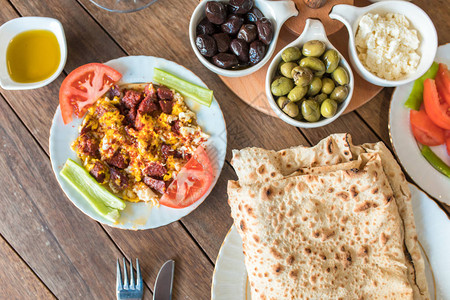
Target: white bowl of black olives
235	38
309	83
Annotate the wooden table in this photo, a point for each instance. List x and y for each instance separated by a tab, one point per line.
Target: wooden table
51	249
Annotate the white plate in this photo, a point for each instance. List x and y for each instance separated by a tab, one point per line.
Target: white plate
433	229
405	146
136	69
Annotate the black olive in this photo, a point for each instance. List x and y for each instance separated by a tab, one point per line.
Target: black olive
240	49
222	41
256	52
232	24
215	12
205	27
248	33
225	60
206	44
265	30
254	15
241	6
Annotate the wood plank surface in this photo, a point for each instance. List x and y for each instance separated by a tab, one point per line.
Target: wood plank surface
18	281
65	248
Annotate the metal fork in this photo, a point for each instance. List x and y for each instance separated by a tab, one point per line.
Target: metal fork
128	290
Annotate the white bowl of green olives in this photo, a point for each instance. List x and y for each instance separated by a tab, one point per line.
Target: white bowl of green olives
235	38
309	83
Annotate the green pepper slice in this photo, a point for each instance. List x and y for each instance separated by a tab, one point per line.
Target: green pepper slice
435	161
200	94
103	201
415	98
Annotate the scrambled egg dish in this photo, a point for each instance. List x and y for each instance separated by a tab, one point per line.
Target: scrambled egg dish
137	138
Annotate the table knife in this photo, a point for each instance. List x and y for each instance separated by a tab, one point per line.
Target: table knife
164	281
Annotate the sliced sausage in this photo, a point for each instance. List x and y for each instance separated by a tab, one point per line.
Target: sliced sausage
113	92
176	127
99	171
166	106
118	160
154	169
131	99
164	93
88	145
156	184
150	91
148	105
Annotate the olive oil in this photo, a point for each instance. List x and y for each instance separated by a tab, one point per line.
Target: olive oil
33	56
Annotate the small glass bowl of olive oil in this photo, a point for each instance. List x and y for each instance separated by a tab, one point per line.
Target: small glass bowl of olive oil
33	52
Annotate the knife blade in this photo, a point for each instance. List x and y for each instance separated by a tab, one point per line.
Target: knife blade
164	281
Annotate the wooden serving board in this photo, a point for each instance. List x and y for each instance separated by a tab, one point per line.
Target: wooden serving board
251	88
297	24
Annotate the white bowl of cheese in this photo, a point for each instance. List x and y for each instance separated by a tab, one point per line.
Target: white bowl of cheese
391	43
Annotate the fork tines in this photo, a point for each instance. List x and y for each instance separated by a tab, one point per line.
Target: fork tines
128	289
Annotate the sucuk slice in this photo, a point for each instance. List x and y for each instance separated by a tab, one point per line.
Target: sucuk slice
103	201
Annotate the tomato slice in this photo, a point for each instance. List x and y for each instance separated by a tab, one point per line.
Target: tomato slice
424	130
437	109
443	83
191	183
83	86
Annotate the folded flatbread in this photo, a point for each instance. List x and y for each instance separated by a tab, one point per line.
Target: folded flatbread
336	153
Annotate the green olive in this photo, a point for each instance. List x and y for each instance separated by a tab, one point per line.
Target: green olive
331	60
281	86
310	110
297	93
280	65
291	109
327	85
320	98
315	86
339	93
286	69
315	64
302	76
282	101
291	54
328	108
313	48
340	76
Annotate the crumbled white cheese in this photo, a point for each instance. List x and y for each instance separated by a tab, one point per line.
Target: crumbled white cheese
186	116
387	46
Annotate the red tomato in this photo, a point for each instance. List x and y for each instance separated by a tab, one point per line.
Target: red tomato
447	141
83	86
437	109
443	83
191	183
424	130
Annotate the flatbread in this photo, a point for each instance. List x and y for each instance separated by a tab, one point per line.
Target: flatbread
260	165
298	244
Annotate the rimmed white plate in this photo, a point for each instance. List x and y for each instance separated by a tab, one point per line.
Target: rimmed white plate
433	229
137	69
428	178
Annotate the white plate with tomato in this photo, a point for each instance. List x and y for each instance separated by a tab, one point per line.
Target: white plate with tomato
420	133
135	69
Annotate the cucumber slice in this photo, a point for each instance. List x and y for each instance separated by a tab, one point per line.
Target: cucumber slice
200	94
103	201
